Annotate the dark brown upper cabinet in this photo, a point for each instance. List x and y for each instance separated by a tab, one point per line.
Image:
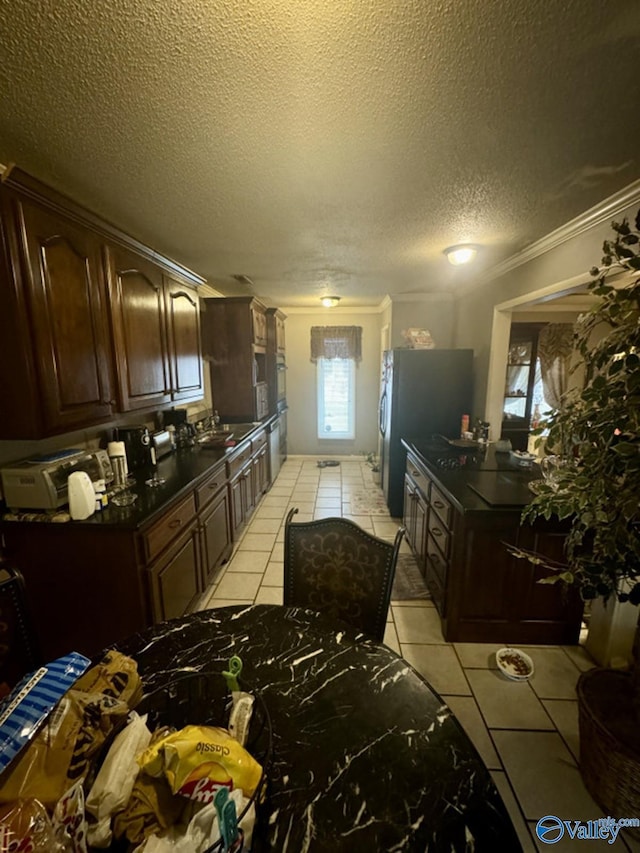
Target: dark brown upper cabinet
234	338
55	365
92	322
185	349
136	298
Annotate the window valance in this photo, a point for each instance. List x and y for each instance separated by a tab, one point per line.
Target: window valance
336	342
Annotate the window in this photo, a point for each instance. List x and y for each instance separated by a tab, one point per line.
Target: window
336	397
336	350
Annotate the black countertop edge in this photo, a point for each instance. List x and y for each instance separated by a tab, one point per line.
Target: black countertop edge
183	470
454	482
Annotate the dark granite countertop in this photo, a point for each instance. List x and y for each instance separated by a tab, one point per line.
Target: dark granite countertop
366	756
454	471
181	471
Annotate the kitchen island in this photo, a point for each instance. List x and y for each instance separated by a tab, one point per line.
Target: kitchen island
126	568
461	510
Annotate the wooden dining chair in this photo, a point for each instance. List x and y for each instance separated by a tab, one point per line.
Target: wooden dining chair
334	566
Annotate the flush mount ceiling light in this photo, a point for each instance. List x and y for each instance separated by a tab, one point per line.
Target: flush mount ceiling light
461	254
330	301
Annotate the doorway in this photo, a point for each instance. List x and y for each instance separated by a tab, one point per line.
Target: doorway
558	303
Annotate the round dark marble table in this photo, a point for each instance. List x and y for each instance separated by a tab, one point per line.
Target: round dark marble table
366	756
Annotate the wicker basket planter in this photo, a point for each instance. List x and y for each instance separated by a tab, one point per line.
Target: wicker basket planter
610	742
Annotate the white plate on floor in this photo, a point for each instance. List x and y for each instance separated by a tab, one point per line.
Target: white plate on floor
515	664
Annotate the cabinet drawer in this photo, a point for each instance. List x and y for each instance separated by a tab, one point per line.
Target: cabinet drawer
439	534
239	460
436	564
441	506
418	476
210	488
437	592
170	526
259	441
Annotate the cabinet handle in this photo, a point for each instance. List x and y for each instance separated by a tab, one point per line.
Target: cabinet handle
436	531
439	505
415	473
175	523
212	485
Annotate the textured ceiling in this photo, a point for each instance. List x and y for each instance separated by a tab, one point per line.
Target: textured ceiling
328	146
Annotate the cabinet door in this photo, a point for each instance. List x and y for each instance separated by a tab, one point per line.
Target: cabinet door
236	490
409	512
216	534
436	570
138	320
69	324
185	350
175	579
280	345
260	475
259	324
558	610
249	490
420	534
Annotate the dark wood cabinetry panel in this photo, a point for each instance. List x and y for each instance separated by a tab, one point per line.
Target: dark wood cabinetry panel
216	537
89	327
92	583
234	341
138	319
276	367
416	512
56	358
85	589
183	325
482	593
175	578
243	497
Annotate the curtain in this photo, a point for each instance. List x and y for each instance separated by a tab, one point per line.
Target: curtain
336	342
555	348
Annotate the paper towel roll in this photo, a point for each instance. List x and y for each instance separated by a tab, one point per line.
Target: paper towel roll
117	448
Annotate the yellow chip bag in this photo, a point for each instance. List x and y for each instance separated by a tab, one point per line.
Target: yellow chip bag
199	760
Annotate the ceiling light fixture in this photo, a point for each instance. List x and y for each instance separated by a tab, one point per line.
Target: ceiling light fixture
330	301
461	254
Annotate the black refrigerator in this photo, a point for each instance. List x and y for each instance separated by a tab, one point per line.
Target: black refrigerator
424	392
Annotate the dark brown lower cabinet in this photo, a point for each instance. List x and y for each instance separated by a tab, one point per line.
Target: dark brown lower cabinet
242	498
216	539
249	479
482	592
175	578
85	587
90	584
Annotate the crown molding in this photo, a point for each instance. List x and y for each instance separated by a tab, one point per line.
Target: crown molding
600	213
422	297
310	309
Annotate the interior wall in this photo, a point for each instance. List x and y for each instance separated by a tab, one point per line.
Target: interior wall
432	311
570	261
302	389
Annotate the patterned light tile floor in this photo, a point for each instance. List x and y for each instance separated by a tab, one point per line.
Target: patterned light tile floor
526	733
